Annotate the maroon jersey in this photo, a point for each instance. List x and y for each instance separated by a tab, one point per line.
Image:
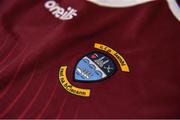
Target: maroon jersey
38	37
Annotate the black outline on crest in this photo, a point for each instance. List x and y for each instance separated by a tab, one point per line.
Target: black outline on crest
99	80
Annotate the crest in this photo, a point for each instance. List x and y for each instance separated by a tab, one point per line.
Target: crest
94	66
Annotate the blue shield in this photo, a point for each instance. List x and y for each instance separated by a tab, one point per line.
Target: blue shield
94	66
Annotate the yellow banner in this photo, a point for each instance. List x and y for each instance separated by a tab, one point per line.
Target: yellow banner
70	88
116	55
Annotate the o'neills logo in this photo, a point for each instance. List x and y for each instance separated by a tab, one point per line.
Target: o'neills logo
60	12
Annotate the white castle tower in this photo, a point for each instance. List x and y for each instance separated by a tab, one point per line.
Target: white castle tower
100	62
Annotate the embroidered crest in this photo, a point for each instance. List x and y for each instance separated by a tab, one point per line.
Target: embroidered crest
94	66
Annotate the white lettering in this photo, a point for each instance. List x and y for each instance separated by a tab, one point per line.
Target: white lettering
60	12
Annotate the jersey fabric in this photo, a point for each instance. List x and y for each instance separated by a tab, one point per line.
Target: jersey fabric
35	42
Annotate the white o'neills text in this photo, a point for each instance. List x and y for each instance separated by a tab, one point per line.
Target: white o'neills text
60	12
